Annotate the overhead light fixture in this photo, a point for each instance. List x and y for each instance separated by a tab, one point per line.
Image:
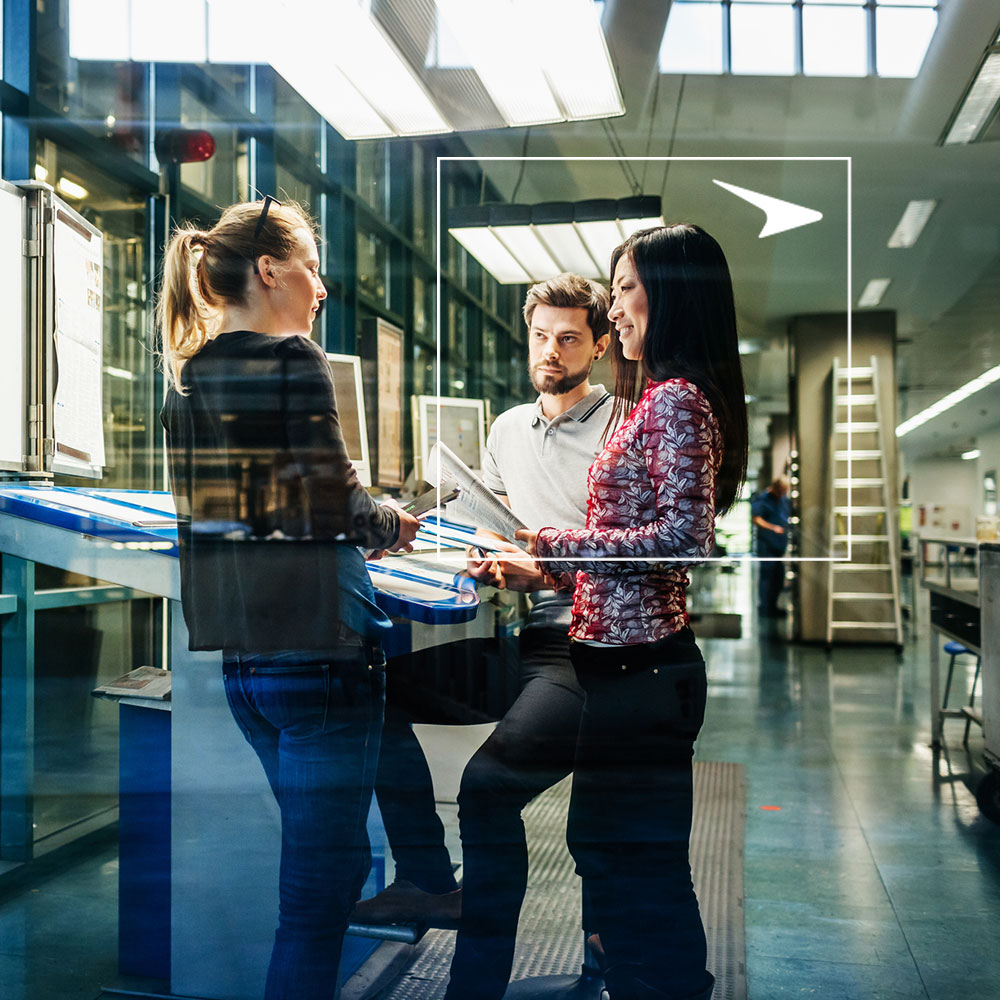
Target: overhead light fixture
979	102
71	189
912	223
41	172
973	453
519	244
947	402
874	290
179	38
362	65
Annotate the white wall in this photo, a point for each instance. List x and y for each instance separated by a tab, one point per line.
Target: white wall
949	481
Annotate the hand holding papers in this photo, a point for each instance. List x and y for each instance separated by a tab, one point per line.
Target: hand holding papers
482	503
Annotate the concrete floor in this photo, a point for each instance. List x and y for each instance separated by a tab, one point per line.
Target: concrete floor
869	871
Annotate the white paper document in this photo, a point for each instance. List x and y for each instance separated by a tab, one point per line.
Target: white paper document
483	505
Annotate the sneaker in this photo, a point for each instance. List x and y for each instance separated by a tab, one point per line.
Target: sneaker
404	903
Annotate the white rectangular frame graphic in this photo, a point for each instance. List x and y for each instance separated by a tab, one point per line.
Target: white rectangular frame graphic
847	160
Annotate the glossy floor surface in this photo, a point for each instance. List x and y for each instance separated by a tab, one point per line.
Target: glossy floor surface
869	871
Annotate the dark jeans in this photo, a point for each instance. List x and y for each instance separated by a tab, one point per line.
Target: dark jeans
769	586
405	794
531	749
630	812
314	721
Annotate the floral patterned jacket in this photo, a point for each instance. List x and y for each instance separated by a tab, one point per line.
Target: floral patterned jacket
650	515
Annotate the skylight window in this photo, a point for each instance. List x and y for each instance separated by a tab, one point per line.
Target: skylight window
840	38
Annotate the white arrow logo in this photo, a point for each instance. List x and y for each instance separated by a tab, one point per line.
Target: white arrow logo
781	215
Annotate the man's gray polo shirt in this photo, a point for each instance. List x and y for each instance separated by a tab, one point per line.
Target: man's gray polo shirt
541	467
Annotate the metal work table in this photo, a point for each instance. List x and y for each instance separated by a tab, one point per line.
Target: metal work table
964	608
217	844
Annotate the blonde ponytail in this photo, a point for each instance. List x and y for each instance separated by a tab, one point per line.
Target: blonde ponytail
187	317
205	271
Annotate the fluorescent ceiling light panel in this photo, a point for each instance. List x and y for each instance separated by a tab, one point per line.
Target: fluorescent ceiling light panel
601	238
968	456
573	55
174	36
978	104
912	223
630	226
874	290
234	32
495	41
525	247
567	247
99	29
492	254
947	402
304	60
369	60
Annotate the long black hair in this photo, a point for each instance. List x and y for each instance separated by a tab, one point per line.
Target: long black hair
690	334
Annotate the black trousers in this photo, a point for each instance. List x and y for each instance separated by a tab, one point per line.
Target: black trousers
531	749
630	813
405	794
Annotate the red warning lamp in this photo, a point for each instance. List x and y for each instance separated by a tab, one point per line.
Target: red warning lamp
184	145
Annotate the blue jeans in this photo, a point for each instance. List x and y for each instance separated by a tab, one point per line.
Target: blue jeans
313	719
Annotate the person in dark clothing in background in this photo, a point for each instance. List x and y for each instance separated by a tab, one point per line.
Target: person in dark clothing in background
770	510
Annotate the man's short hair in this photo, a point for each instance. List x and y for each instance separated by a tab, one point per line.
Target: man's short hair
571	291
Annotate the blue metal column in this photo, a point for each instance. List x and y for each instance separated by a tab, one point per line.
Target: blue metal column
17	713
18	72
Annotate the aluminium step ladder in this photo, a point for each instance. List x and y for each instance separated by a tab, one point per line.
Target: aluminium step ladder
863	578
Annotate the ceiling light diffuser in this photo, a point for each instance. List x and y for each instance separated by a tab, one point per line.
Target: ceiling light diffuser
362	65
543	240
972	454
503	58
874	290
912	223
947	402
979	103
99	29
578	68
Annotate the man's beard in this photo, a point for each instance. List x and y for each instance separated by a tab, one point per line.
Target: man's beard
553	385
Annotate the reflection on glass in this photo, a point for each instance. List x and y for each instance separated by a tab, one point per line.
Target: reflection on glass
424	379
692	42
217	180
292	188
372	266
106	99
763	39
373	175
298	123
834	41
901	40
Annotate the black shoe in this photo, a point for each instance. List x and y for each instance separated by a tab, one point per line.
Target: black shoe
404	903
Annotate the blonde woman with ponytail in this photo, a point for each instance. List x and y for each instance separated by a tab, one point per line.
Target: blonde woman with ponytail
270	517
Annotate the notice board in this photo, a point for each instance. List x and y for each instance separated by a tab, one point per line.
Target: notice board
13	333
52	267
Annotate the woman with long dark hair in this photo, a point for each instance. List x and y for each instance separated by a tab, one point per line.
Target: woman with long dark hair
270	514
676	462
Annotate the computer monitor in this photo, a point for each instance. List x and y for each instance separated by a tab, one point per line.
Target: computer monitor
463	429
347	384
